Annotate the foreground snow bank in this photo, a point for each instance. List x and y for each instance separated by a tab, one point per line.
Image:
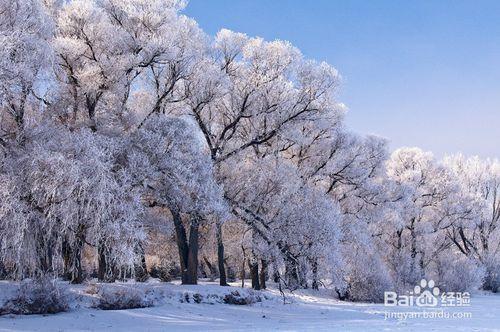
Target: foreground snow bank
132	295
43	296
176	308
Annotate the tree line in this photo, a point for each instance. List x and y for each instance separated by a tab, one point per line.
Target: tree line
134	144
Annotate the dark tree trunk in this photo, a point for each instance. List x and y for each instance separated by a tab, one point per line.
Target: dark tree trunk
182	245
66	255
254	274
106	270
46	261
292	273
72	257
3	271
91	103
263	274
343	296
140	269
220	256
315	284
46	254
101	262
212	272
243	275
276	277
77	270
188	251
192	266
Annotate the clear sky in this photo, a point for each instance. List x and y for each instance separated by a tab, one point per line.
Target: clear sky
420	73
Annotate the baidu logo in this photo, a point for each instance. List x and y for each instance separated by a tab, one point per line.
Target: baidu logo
426	294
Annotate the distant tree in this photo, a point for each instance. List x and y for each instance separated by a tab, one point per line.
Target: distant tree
479	235
25	30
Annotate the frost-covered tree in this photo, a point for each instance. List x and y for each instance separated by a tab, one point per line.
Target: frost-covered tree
167	160
426	189
252	94
287	237
25	29
120	61
429	207
64	190
479	235
349	169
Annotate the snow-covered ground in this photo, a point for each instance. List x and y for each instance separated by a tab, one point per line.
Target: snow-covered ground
305	310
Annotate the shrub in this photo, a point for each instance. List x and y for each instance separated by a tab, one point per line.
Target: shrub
160	272
122	298
492	275
39	296
367	279
188	298
459	274
237	298
165	271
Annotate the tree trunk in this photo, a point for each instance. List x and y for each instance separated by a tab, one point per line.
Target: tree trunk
315	284
212	272
417	266
72	257
106	270
188	251
76	276
263	274
46	254
254	274
192	266
3	271
243	276
292	276
291	271
182	245
140	268
220	255
66	255
101	262
276	276
91	103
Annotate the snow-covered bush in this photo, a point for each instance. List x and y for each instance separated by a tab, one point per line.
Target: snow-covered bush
366	278
163	272
492	275
119	298
458	274
238	298
39	296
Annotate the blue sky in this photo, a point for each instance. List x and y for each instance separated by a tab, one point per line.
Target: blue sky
420	73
